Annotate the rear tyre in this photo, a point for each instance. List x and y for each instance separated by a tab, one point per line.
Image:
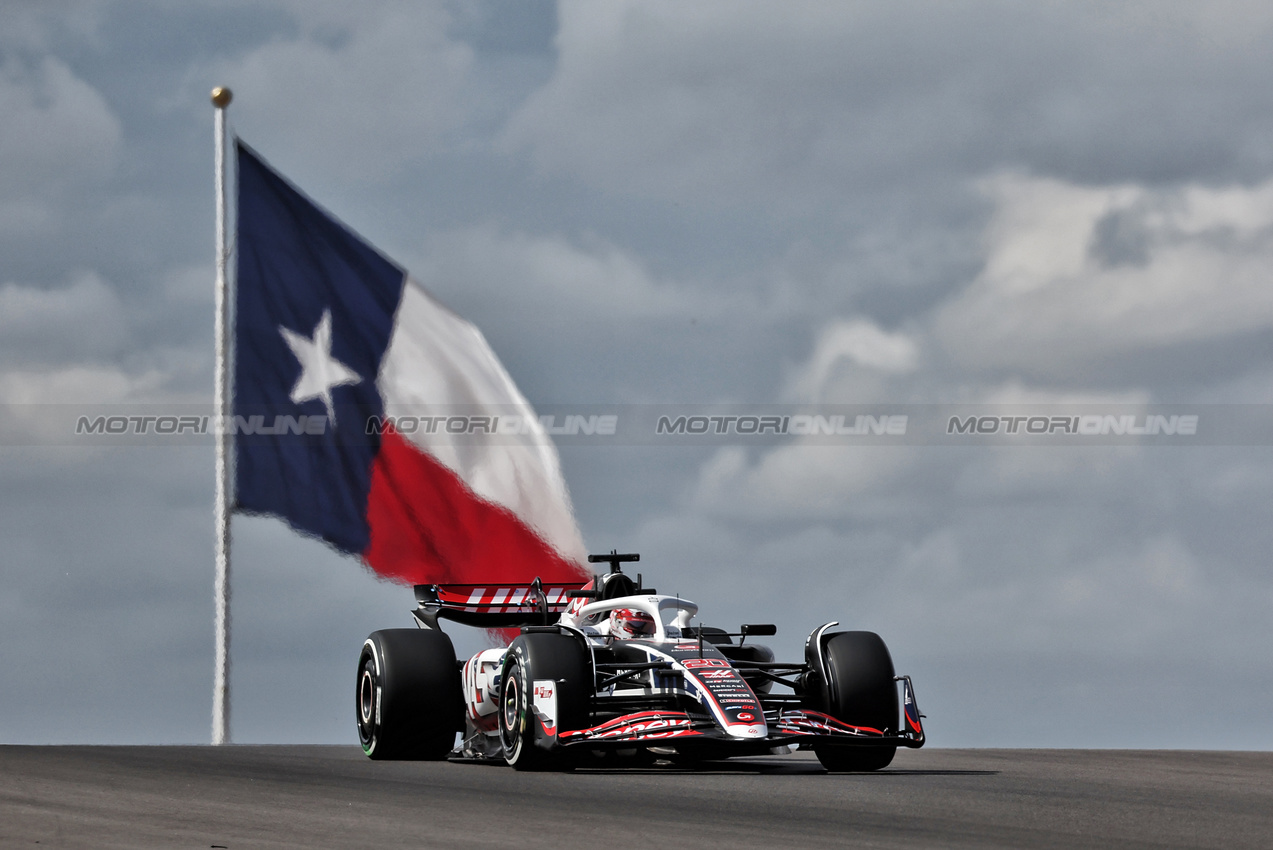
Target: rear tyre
524	736
859	690
408	702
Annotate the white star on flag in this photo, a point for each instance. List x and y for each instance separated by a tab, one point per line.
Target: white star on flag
319	370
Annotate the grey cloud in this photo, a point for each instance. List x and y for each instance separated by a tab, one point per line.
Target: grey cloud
726	103
53	120
58	133
550	274
1120	238
389	85
1056	558
683	203
78	322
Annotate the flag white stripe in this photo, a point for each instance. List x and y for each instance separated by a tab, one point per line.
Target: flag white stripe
438	364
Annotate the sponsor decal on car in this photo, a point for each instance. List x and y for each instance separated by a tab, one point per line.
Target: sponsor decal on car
724	693
646	725
544	704
718	674
501	600
742	730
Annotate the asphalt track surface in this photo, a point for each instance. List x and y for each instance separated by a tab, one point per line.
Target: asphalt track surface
268	797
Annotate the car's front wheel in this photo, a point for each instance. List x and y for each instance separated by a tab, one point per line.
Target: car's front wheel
859	690
559	663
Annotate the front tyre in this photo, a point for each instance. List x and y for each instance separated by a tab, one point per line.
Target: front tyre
527	731
860	691
408	701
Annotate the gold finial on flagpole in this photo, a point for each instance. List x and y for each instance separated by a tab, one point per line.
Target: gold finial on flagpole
221	97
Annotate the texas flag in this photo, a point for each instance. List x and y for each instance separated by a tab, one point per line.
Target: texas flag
336	350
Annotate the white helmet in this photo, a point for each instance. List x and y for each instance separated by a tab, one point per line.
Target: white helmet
628	623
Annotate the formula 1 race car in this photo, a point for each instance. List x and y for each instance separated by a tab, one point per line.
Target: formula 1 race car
612	666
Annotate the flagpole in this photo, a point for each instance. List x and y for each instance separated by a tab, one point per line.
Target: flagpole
220	401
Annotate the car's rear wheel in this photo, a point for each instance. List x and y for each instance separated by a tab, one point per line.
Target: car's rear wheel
408	701
527	736
859	690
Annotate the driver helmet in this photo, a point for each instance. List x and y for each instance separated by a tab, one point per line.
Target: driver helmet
628	623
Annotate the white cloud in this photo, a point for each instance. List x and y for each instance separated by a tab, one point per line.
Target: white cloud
39	407
1075	275
77	384
853	345
73	346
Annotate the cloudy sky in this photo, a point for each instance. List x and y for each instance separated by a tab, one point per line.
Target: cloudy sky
646	203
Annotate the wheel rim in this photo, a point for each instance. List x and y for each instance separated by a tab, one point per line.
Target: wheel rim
512	706
366	698
511	713
366	708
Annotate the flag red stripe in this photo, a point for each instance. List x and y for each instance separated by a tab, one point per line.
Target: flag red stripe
428	527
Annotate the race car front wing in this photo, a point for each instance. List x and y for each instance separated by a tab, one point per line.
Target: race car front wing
788	726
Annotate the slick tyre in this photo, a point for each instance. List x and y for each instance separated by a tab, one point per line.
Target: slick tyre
525	736
859	691
408	702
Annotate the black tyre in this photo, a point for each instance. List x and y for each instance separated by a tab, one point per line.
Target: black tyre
538	656
859	690
408	702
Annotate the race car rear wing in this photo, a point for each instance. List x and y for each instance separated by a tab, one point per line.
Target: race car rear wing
493	606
